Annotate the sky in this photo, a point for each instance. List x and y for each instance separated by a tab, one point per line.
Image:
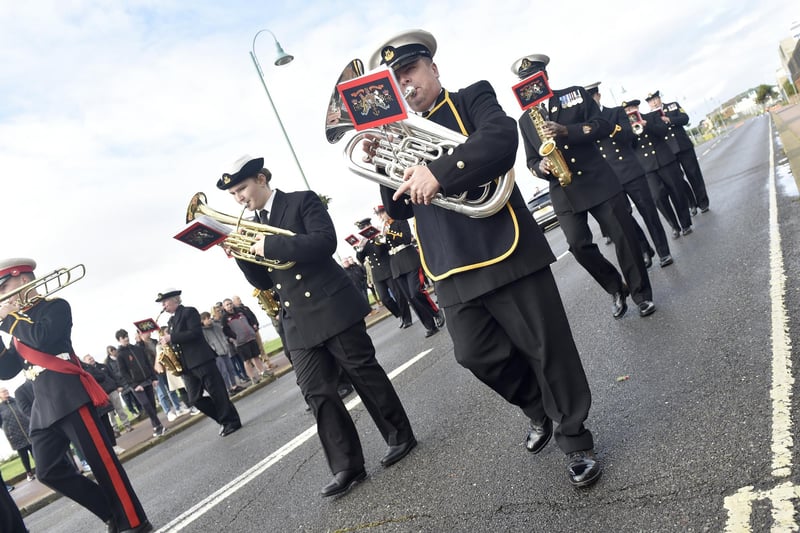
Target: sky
113	114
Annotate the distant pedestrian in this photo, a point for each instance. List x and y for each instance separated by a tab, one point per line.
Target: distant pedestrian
16	426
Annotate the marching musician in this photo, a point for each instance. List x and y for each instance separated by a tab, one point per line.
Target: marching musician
492	274
65	409
618	152
198	362
322	314
405	263
573	120
673	115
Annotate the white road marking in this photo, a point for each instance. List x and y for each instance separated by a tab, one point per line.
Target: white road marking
214	499
739	505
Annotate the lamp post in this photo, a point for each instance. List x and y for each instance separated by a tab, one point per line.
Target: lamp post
281	58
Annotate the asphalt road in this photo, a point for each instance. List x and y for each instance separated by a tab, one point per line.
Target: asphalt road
690	426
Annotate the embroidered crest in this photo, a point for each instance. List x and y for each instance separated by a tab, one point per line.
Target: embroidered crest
388	53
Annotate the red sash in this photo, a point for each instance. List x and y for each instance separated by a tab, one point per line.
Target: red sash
73	366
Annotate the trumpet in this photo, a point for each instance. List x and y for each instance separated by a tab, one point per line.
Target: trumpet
244	235
45	286
406	143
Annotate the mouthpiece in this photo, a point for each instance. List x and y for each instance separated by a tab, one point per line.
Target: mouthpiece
410	91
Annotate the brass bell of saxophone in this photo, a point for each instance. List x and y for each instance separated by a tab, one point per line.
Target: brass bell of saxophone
168	355
549	150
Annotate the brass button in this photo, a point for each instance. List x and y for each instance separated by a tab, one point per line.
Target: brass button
308	294
298	277
566	147
286	303
460	164
269	269
580	172
278	286
572	160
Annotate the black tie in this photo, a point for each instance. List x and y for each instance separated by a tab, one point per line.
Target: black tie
263	216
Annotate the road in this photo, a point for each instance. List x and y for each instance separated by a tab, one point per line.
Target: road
704	413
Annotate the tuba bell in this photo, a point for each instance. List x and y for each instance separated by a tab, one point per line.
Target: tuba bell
406	143
244	234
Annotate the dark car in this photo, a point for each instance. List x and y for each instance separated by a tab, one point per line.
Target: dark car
541	208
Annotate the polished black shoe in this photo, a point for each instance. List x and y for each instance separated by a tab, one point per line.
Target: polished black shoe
230	428
704	209
397	452
620	306
648	260
693	211
538	436
431	332
686	231
583	468
342	482
676	233
404	325
666	261
144	527
646	308
439	317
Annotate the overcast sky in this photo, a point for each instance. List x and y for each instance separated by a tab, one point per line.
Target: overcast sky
113	114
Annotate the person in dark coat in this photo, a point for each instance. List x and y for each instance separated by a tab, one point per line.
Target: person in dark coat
24	397
198	359
65	405
573	120
16	425
139	375
492	274
322	315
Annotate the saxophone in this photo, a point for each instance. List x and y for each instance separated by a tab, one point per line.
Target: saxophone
549	150
268	301
168	355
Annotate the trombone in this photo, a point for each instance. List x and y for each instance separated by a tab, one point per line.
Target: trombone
244	235
45	286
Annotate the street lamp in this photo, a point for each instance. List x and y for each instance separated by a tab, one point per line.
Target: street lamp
281	58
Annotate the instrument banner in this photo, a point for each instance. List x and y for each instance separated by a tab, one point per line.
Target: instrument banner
373	100
532	90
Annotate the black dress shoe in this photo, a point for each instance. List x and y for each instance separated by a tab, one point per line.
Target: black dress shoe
539	435
666	261
646	308
693	210
144	527
230	428
404	325
648	260
397	452
439	319
676	233
583	468
343	481
704	209
431	332
686	231
620	306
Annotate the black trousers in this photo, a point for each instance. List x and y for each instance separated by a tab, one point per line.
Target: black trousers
317	371
111	496
639	192
613	215
517	340
691	167
665	186
10	517
147	399
217	405
393	302
409	286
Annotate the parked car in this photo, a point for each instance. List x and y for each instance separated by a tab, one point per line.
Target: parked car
541	208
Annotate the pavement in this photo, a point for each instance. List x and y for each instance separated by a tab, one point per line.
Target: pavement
30	496
787	121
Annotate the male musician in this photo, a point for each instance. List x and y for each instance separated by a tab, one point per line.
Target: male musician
618	152
405	263
376	252
66	400
662	171
573	120
322	314
198	360
682	146
492	274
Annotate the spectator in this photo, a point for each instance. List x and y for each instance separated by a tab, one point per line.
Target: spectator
251	317
16	425
215	337
140	376
125	392
237	327
169	400
357	274
238	364
102	374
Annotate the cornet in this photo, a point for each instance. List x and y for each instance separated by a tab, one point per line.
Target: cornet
45	286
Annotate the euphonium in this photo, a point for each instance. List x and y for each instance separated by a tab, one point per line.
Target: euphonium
406	143
268	302
549	150
45	286
244	234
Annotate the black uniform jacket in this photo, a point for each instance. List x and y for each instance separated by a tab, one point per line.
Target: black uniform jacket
593	181
469	257
678	138
47	327
651	146
186	334
318	299
377	253
618	148
403	256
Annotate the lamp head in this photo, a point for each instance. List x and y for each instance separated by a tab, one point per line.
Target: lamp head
282	57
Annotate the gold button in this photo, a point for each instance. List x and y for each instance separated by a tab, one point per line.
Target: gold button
278	286
566	147
572	160
580	172
298	277
460	164
286	303
620	158
308	294
269	269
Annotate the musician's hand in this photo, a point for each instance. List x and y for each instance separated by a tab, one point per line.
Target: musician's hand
554	129
544	166
665	119
643	123
420	184
8	307
258	248
164	339
370	146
